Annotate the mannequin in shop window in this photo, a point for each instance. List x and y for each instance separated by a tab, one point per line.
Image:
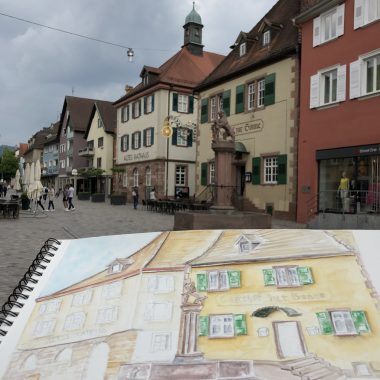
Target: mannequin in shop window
343	188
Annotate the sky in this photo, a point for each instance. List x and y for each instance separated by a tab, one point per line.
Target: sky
39	66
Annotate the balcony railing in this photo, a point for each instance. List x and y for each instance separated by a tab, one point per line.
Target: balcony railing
86	152
344	202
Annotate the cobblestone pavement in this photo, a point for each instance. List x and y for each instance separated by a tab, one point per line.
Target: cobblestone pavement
21	239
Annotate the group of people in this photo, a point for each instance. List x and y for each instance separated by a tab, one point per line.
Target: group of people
48	194
135	196
4	188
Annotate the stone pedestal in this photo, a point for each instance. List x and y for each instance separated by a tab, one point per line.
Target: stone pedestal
224	154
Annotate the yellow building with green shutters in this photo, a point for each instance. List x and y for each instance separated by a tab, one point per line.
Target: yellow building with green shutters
281	295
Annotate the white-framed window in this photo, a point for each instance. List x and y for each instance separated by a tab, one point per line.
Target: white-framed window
124	142
343	323
125	180
150	104
251	96
62	148
116	268
125	114
160	342
365	75
148	136
266	38
135	177
44	328
148	176
260	92
136	109
287	277
63	162
221	326
158	311
328	25
218	280
160	284
180	175
328	86
112	290
81	298
270	170
107	314
100	123
183	103
366	12
136	140
216	104
74	321
182	136
50	307
212	173
242	49
100	142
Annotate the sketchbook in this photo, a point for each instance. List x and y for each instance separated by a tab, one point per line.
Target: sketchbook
210	304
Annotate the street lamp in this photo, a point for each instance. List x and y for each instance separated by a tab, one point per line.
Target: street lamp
130	54
167	131
74	173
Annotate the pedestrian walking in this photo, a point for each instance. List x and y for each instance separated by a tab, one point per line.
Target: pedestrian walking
1	190
65	192
70	196
135	197
39	203
5	189
50	195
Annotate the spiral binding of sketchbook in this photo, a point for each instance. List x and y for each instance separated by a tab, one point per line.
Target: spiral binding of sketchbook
29	279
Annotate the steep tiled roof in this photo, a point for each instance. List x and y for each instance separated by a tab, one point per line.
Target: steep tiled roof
53	133
284	41
107	113
182	69
23	148
37	140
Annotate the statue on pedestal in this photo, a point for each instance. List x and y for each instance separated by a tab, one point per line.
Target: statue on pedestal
221	130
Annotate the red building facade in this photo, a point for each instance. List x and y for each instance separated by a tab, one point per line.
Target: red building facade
339	133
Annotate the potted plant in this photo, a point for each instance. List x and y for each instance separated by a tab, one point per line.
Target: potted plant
25	201
84	196
88	173
98	197
117	197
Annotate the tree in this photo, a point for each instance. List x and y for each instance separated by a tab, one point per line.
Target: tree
8	164
118	175
87	173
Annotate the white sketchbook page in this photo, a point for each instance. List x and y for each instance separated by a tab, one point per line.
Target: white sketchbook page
10	340
368	242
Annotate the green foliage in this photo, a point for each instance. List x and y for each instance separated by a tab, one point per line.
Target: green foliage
118	172
8	164
90	172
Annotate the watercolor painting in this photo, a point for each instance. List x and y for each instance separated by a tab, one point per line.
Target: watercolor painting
213	304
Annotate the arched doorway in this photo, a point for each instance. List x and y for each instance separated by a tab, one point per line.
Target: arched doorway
97	363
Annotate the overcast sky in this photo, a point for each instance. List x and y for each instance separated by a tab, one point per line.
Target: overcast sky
38	66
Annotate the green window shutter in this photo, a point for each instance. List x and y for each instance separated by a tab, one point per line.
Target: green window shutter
133	141
152	135
204	110
269	278
202	282
203	325
140	107
256	165
139	139
240	98
305	276
282	166
145	102
325	323
234	278
175	102
174	136
127	142
190	138
360	321
240	324
152	102
204	174
191	104
144	137
226	102
270	87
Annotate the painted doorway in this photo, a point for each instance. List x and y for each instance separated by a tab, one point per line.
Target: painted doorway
289	340
97	363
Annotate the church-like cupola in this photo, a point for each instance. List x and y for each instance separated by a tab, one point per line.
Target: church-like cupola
193	32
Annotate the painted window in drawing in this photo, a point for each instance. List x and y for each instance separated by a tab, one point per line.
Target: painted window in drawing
218	280
288	276
160	284
158	311
222	325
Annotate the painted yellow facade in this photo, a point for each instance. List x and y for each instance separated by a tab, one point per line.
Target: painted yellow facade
267	131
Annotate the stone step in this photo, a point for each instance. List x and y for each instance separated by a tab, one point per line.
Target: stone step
318	375
335	376
316	366
299	363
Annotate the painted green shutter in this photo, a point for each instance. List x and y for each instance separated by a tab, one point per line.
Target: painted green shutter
305	276
144	137
204	110
240	324
226	102
269	278
203	325
145	102
360	321
204	174
282	166
191	104
325	323
202	283
256	163
234	278
174	136
152	102
240	98
270	86
152	135
175	102
190	138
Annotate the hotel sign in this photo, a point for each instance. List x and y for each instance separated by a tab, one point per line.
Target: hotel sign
136	157
248	127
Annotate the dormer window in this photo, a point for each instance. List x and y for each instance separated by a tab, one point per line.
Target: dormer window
145	80
116	268
266	38
243	49
246	244
119	265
